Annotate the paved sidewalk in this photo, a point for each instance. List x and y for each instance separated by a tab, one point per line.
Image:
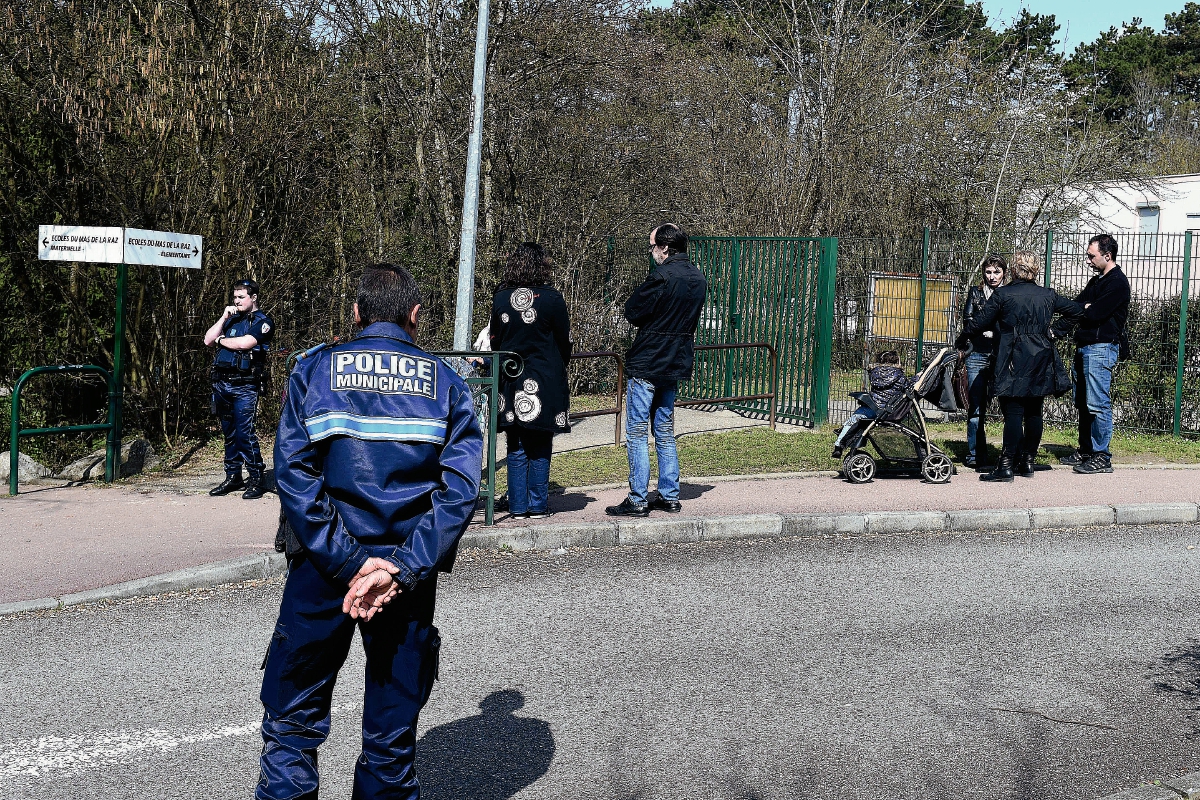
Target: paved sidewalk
55	541
825	494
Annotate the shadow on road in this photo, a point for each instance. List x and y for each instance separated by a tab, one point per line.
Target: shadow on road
1177	672
490	756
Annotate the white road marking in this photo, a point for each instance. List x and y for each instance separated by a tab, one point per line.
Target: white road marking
45	754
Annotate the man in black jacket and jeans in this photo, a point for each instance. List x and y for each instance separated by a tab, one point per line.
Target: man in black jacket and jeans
1098	338
665	309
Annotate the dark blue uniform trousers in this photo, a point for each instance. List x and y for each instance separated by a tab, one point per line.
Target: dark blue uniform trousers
309	646
236	405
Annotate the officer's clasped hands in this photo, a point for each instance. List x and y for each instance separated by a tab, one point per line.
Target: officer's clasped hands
371	589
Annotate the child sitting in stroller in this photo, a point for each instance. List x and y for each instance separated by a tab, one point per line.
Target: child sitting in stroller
888	382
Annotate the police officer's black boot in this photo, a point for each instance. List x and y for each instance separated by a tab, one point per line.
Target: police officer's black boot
255	489
1002	472
231	484
1023	466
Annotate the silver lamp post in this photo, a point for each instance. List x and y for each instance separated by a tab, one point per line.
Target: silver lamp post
470	213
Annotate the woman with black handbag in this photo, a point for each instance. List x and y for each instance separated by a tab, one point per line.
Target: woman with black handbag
1026	366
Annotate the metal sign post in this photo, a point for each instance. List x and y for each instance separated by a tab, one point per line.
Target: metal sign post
116	386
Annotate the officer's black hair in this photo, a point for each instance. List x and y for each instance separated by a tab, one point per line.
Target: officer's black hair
250	286
387	293
673	237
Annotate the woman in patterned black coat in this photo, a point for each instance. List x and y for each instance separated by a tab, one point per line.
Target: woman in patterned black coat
529	318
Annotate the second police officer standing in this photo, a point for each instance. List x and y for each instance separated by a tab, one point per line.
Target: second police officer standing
377	459
242	337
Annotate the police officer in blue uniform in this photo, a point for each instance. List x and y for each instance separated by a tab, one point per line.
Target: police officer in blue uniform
377	464
242	337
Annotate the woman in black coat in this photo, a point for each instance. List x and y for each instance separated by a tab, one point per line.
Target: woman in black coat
979	360
1026	366
529	318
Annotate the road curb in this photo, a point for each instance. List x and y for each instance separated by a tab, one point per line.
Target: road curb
667	530
702	480
244	568
1185	787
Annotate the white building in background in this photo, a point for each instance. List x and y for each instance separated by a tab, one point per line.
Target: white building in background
1172	206
1148	219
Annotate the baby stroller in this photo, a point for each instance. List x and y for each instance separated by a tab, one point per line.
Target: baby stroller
897	440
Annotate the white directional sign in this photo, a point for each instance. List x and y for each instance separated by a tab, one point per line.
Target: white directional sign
77	243
162	249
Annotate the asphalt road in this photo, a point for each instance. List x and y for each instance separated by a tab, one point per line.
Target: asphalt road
1046	665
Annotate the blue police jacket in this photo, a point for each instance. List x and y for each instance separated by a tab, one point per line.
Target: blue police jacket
378	453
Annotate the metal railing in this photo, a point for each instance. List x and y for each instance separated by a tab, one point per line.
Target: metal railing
770	396
16	432
620	392
740	398
513	366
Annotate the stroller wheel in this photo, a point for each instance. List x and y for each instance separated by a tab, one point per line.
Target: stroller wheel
858	467
937	468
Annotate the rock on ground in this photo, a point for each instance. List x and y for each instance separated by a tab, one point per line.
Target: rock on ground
27	468
137	455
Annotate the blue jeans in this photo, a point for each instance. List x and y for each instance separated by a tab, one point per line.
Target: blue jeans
529	470
1094	365
236	406
979	378
858	416
647	402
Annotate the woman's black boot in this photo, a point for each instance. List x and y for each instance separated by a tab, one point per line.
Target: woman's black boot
1023	466
1003	471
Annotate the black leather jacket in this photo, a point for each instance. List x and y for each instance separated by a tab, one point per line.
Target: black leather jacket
975	303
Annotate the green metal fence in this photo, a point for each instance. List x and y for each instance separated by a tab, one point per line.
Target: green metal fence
112	448
765	289
908	294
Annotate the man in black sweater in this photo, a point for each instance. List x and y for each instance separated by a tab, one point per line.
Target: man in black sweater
1098	339
665	309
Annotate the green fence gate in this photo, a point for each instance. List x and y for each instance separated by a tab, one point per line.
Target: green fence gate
777	290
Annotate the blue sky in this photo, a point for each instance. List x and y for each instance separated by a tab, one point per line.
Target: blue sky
1083	20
